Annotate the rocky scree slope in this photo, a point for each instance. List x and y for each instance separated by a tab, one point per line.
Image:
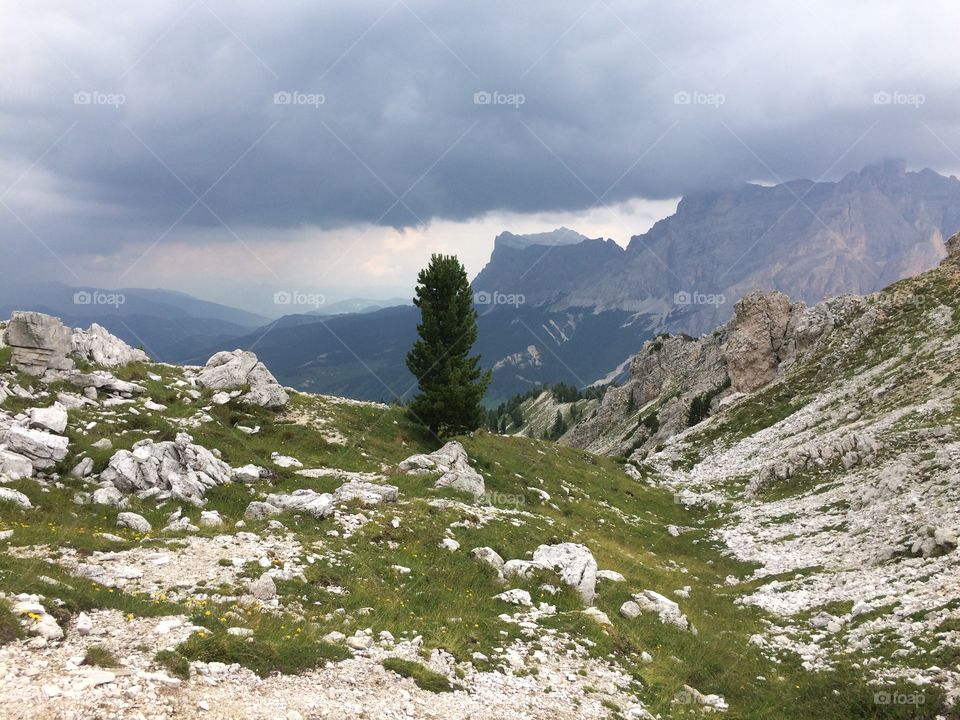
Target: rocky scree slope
826	439
176	545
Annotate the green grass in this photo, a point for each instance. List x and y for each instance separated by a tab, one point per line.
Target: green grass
448	598
10	629
174	663
424	677
100	657
271	649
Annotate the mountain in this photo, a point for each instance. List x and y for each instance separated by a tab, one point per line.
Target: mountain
364	355
807	239
560	307
782	545
167	324
359	305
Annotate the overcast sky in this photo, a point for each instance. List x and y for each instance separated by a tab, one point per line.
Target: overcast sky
229	147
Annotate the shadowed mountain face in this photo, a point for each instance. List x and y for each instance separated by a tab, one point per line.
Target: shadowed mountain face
809	240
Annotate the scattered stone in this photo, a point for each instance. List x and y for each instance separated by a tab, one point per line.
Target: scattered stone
210	518
451	460
53	418
517	596
310	502
611	575
575	565
135	522
449	544
15	466
43	449
264	588
16	497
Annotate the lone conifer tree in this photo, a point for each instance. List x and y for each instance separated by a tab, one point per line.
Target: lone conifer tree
451	381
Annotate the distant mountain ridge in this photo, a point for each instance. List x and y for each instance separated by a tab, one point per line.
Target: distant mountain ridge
808	239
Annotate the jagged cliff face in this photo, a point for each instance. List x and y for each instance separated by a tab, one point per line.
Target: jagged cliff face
808	240
767	335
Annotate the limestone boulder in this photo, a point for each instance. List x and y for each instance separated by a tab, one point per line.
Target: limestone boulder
38	342
98	346
241	370
180	468
451	460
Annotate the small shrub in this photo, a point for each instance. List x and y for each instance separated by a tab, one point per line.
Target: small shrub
100	657
174	663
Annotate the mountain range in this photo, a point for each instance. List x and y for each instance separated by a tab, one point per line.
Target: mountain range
560	307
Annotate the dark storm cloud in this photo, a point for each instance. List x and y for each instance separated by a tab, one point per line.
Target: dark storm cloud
280	115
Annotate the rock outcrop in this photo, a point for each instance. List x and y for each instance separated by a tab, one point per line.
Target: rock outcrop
451	460
575	565
678	380
178	468
38	342
98	346
42	449
241	370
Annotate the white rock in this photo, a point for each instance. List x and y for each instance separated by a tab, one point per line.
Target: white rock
43	449
263	588
84	625
98	346
210	518
611	575
310	502
15	496
451	460
53	418
135	522
517	596
184	469
575	565
239	370
449	544
15	466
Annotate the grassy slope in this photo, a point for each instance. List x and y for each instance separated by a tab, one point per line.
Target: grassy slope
447	597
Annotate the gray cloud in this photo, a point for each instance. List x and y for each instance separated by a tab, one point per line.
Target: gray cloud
598	103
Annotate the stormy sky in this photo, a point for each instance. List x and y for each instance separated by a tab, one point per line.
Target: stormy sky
233	148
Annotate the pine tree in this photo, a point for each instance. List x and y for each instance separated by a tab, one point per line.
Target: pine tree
451	381
559	426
